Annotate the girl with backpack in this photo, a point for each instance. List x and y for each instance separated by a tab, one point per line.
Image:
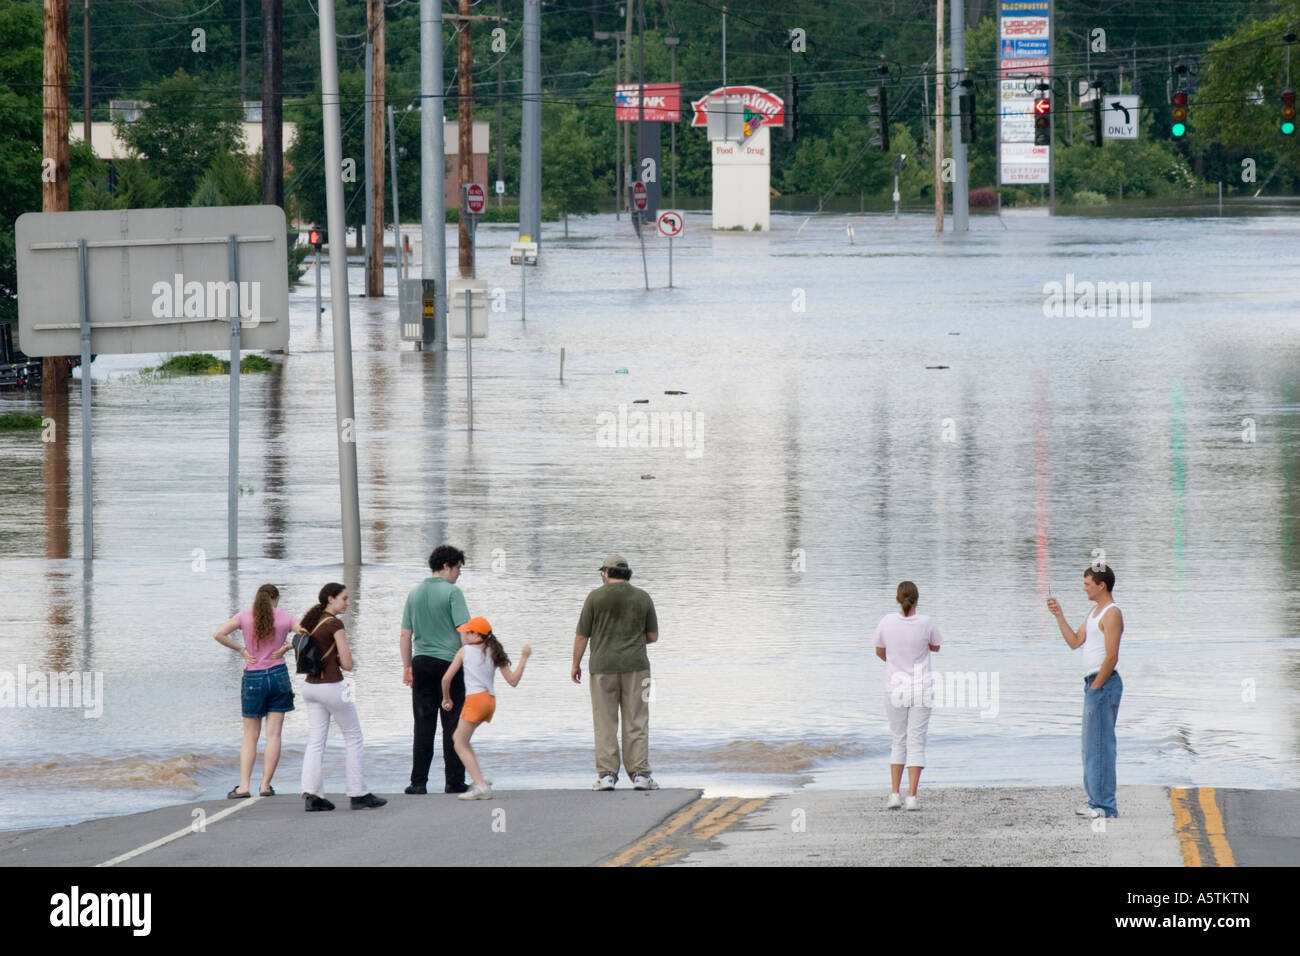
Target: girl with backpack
328	697
266	693
481	657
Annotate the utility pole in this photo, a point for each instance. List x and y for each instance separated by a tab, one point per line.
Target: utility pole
55	195
272	100
938	118
671	43
618	166
640	95
960	184
500	113
530	138
465	129
340	317
433	171
627	127
85	69
375	95
243	53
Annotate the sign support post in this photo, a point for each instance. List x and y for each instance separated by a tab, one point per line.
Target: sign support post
232	464
87	500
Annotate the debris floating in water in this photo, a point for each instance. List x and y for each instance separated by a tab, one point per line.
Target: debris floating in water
673	391
647	477
620	371
640	401
936	366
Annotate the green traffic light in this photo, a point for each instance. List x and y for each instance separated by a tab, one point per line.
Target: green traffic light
1180	128
1288	127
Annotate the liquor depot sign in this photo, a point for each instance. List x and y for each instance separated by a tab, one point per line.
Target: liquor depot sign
764	103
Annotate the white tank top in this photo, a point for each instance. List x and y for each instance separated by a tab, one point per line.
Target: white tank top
1094	642
480	675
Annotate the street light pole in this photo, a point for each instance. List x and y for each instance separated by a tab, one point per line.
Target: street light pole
671	43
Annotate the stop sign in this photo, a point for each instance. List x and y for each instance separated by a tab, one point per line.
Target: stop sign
475	198
639	195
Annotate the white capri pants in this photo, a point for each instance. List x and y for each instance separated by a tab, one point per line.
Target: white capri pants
908	725
323	702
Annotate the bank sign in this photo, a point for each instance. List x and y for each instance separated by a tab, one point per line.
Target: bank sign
662	102
1024	55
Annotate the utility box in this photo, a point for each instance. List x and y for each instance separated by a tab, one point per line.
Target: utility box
416	309
456	322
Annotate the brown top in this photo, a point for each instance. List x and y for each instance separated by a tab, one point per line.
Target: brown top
324	638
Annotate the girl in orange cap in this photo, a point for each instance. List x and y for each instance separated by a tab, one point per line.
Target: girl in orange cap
482	656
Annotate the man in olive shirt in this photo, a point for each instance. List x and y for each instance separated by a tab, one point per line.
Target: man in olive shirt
434	609
620	622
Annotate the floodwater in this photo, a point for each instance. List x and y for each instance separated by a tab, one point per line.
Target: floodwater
824	463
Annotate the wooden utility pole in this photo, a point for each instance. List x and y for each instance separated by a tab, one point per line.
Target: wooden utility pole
85	70
940	80
272	103
55	169
465	128
376	113
628	173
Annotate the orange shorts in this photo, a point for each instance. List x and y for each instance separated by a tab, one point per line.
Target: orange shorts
479	707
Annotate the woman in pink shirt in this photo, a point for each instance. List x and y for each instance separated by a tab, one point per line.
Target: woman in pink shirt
904	641
265	691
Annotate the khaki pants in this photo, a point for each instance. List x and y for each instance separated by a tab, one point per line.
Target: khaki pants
627	693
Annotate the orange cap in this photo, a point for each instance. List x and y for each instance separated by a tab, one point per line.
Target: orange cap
478	625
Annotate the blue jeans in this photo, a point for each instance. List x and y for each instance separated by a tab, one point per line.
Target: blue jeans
1100	708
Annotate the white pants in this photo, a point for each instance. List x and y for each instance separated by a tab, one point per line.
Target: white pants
323	702
908	725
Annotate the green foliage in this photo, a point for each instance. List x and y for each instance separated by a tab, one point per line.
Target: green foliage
20	120
227	182
204	363
1145	168
1086	197
184	128
569	180
20	421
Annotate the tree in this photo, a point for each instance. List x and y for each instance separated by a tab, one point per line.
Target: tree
20	146
181	132
568	163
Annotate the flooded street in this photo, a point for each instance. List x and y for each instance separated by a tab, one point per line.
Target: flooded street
853	415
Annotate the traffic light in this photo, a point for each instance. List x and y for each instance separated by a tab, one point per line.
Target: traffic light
966	105
1288	112
1042	121
1178	115
880	120
792	109
1092	122
315	238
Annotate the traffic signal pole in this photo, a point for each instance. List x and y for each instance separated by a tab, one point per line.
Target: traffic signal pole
960	183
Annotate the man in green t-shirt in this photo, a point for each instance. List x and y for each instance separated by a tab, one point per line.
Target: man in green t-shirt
434	609
620	622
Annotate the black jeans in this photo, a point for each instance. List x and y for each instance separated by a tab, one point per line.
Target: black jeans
426	702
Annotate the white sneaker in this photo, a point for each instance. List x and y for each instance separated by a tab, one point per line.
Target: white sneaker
1089	812
643	781
895	801
476	793
604	783
911	804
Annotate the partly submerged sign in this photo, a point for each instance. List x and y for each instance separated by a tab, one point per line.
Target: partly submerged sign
157	280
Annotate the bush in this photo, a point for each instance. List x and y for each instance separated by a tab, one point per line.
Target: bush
20	421
204	363
1086	197
983	198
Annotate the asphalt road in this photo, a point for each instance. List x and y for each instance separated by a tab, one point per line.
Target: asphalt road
520	828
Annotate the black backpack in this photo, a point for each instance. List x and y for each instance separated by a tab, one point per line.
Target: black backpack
310	659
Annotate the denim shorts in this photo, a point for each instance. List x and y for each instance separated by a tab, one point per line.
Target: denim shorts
261	692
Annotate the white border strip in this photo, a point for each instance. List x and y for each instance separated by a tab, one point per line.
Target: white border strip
242	805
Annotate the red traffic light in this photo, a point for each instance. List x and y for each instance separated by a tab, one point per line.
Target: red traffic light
1042	106
314	237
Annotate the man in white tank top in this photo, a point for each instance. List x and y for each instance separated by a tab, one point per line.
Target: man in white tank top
1099	636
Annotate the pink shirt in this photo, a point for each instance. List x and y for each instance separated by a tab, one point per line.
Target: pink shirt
907	641
284	622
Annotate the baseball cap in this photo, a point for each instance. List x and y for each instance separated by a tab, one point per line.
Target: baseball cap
613	561
478	625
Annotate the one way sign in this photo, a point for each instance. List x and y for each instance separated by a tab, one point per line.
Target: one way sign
1119	117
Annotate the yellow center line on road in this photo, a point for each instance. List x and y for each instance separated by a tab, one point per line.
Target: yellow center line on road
675	839
646	843
1214	828
1204	841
